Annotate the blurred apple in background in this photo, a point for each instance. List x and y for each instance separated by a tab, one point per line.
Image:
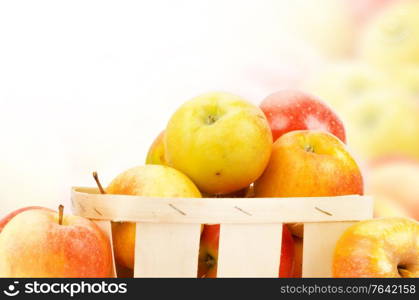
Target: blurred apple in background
383	122
309	164
392	37
41	243
408	78
208	253
213	136
343	81
150	181
329	27
364	10
394	184
289	110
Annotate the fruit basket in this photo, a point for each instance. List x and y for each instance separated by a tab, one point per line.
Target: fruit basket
168	230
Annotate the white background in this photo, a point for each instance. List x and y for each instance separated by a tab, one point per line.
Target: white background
87	85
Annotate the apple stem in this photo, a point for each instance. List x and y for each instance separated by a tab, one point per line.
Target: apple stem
60	214
96	177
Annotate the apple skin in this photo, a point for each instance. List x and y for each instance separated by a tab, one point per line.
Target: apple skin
156	154
8	217
208	252
309	163
386	247
149	181
289	110
34	244
213	136
393	182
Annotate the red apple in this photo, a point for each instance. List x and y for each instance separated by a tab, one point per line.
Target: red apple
43	243
289	110
208	252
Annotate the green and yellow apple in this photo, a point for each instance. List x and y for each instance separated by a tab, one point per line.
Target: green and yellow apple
150	181
220	141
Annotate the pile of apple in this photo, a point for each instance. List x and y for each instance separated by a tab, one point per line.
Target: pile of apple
220	145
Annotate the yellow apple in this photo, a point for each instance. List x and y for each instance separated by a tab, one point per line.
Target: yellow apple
383	123
150	181
220	141
156	154
392	37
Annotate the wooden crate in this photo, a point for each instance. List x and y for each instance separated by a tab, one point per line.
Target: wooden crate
168	230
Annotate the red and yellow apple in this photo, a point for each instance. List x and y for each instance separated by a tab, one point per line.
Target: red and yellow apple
220	141
387	247
156	154
289	110
150	181
208	253
307	163
34	243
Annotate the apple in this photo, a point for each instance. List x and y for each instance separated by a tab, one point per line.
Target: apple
208	253
386	247
156	154
342	82
220	141
149	181
306	163
289	110
393	182
8	217
298	257
44	243
392	37
383	123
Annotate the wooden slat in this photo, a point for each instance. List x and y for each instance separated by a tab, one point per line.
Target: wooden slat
219	210
107	229
319	244
249	250
166	250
